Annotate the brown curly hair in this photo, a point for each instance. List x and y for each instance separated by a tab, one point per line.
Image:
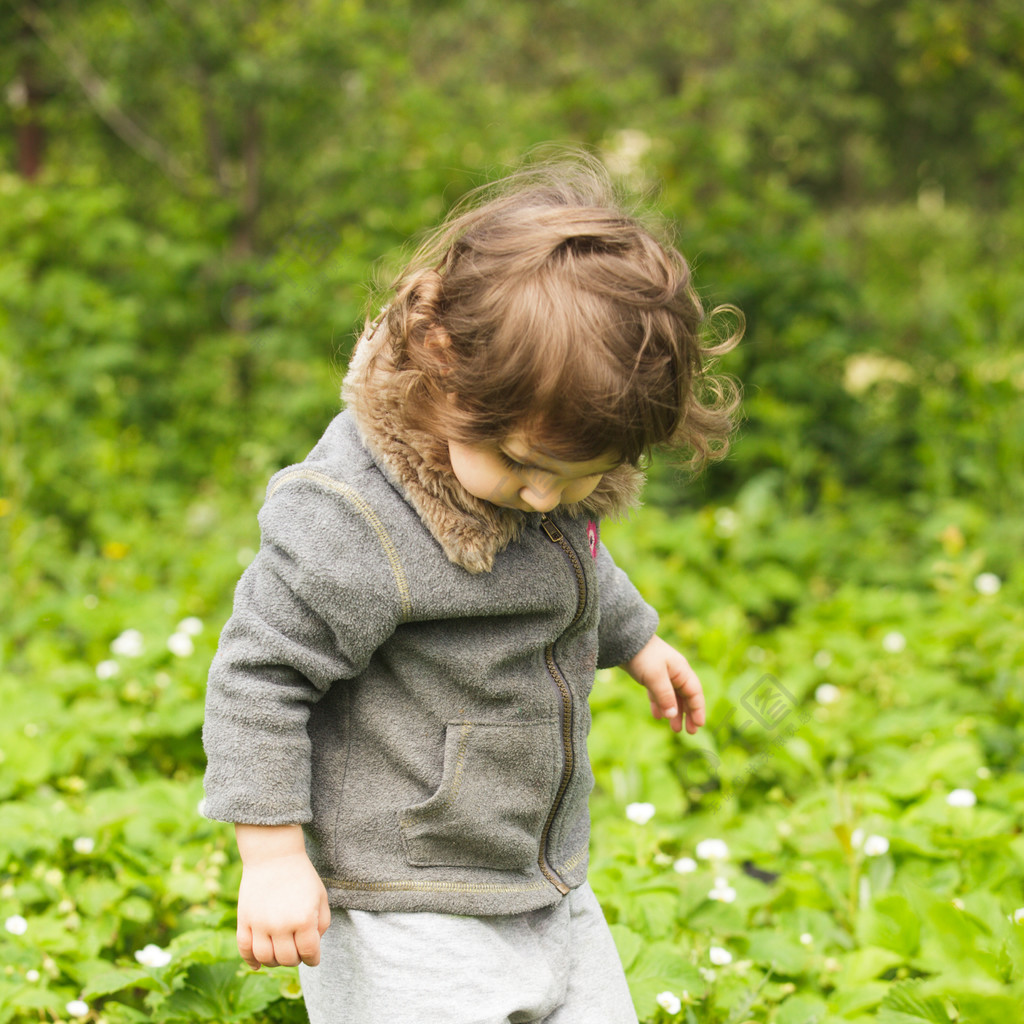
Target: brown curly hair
541	305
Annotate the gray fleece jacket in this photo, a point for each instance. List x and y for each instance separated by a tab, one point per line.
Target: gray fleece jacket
413	689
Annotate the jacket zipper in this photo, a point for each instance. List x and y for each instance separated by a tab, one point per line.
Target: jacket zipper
566	713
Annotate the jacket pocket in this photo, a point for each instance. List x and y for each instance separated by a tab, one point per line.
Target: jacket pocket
496	789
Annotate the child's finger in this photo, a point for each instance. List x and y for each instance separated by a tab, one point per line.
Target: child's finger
286	951
262	952
687	685
324	921
307	945
662	696
244	938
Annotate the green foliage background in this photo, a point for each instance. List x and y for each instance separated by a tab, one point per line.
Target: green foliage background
180	284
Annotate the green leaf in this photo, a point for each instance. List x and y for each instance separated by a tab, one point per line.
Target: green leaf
773	948
628	943
115	979
890	922
661	967
654	912
118	1013
802	1009
31	996
222	992
205	945
742	1003
952	939
868	963
847	1002
904	1004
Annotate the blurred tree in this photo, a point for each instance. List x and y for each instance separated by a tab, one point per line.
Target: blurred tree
220	179
272	110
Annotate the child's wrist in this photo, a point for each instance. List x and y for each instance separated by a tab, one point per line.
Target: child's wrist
257	843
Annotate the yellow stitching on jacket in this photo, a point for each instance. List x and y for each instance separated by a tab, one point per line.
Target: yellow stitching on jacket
411	885
575	859
366	511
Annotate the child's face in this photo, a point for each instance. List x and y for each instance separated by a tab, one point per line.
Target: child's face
519	474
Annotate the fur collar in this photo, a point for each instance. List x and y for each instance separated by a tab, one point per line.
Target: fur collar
470	531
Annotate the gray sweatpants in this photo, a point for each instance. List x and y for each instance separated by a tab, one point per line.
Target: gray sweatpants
558	965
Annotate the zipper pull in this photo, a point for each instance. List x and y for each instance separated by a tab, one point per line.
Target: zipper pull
553	532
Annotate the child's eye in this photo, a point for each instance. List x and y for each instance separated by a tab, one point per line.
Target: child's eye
511	463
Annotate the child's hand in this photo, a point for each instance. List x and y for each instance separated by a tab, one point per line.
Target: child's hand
282	904
672	686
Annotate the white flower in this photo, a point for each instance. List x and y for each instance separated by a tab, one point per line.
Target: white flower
722	892
153	956
84	845
827	694
16	924
875	846
707	973
807	939
719	956
863	369
191	625
712	849
291	989
1018	916
130	644
962	798
180	644
684	865
857	838
669	1002
726	522
823	659
107	669
640	813
987	583
894	642
77	1008
983	771
625	150
32	974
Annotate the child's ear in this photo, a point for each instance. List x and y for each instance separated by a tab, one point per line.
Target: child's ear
438	345
436	338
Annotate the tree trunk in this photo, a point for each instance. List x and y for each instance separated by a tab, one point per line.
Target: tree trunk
31	135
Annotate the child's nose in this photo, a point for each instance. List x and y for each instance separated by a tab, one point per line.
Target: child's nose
541	496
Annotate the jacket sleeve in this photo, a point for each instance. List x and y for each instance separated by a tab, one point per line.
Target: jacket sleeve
320	597
627	621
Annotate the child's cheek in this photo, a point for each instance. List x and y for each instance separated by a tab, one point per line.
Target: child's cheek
580	489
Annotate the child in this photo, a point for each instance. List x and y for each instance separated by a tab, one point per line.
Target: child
397	713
